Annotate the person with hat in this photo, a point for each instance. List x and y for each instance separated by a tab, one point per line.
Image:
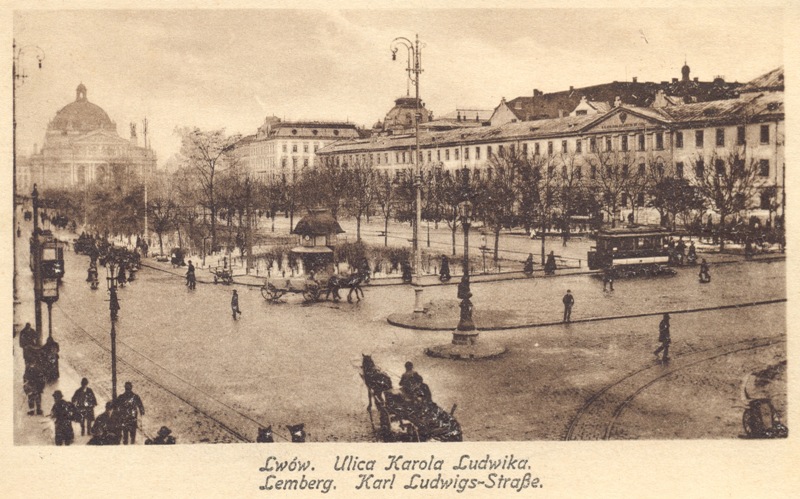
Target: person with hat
163	438
568	301
663	338
27	337
105	430
63	413
85	401
129	406
412	384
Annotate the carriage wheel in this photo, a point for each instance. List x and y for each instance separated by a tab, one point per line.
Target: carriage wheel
311	295
265	291
747	425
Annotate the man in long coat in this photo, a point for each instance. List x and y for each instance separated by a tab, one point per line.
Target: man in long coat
129	406
85	403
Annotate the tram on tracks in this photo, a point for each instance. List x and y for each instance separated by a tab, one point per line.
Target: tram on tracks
630	246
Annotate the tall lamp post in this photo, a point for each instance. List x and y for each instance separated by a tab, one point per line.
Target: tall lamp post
18	79
414	68
113	307
36	255
465	345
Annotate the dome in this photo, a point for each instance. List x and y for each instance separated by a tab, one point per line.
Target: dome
81	115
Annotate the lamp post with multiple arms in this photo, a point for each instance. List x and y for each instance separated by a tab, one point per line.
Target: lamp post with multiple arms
414	68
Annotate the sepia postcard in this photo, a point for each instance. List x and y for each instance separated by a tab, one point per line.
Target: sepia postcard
451	249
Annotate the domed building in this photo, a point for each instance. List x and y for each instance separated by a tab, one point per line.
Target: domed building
81	146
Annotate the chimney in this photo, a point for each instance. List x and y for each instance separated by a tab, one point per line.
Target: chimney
537	92
571	88
476	118
674	80
635	79
696	79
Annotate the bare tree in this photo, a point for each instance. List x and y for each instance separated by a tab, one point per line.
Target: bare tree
361	191
570	182
729	183
385	198
205	153
498	193
615	177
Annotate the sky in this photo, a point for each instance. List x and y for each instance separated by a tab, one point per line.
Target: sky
232	68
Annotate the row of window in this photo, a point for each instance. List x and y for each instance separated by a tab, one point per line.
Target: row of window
306	146
594	145
699	137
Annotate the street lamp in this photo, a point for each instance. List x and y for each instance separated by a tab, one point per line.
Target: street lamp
414	55
50	296
18	79
113	307
464	345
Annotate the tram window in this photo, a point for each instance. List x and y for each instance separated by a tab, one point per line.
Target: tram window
626	244
48	253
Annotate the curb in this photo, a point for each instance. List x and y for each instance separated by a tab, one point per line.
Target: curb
397	323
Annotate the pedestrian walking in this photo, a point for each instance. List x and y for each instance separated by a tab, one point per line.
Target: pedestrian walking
569	301
191	281
664	339
63	413
105	430
550	265
129	406
33	384
85	402
608	277
235	305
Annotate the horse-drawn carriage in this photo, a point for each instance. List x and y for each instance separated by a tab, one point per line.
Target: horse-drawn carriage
403	416
222	274
313	287
275	288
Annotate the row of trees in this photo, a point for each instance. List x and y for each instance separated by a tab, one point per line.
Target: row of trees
212	188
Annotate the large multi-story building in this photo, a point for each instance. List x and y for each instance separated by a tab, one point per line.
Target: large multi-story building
281	149
681	137
82	145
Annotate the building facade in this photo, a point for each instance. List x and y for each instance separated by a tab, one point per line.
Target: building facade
81	146
282	149
679	138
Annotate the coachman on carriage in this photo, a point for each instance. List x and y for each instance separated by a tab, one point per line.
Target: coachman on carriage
406	415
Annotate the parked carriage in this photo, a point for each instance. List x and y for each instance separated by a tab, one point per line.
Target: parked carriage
222	275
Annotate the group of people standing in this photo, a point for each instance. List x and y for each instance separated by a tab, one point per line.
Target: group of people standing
117	424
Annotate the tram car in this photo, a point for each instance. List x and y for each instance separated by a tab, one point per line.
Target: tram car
52	256
630	246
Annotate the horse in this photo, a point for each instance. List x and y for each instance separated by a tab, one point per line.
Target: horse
353	281
378	382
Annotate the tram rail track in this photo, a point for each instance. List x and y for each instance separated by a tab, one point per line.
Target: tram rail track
598	416
220	415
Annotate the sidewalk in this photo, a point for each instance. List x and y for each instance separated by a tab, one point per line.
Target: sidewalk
40	430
